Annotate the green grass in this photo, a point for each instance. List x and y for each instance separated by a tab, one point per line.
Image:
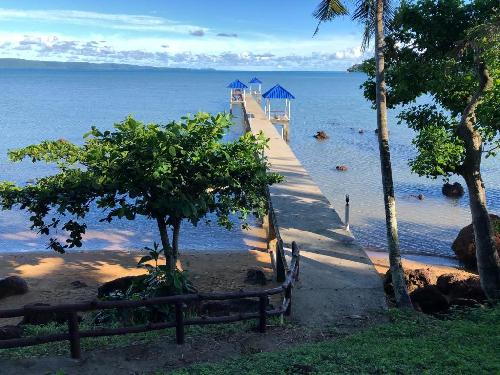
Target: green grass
466	343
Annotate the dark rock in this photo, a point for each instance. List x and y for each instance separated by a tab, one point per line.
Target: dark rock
460	286
120	285
12	285
321	135
361	131
10	332
78	284
341	168
376	131
415	279
228	307
455	190
256	277
464	245
36	317
429	300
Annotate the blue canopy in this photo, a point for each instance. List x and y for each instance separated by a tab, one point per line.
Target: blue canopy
277	92
255	80
237	85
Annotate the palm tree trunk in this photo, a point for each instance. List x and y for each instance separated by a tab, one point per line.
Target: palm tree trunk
400	290
488	261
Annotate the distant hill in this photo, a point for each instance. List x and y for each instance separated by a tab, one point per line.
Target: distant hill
7	63
355	68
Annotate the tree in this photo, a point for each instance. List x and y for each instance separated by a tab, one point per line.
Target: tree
450	50
168	173
375	15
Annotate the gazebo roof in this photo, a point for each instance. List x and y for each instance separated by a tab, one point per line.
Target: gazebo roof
255	80
237	84
277	92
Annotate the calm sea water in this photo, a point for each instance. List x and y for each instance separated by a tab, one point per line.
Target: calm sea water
38	105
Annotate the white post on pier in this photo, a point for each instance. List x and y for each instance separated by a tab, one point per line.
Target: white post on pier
347	212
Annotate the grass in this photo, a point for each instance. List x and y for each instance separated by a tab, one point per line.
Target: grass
465	343
109	342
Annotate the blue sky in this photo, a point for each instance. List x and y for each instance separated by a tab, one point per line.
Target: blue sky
220	34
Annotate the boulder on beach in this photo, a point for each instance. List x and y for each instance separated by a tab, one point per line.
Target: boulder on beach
120	285
11	332
429	300
321	135
415	279
461	286
464	245
454	190
12	285
255	277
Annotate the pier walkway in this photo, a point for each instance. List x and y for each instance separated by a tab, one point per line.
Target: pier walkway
339	285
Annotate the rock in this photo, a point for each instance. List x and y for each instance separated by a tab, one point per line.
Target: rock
455	190
43	317
12	285
463	302
461	286
78	284
321	135
341	168
361	131
121	285
10	332
256	277
464	245
415	279
429	300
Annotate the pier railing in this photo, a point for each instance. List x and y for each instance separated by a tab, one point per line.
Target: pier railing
74	334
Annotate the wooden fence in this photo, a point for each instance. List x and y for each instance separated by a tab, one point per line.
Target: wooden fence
74	334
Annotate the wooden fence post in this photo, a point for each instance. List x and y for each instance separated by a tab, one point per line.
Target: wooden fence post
179	323
74	335
280	262
288	296
262	313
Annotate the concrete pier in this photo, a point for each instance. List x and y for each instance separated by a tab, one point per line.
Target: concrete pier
339	284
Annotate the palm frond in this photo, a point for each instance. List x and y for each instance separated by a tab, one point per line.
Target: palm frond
327	10
366	13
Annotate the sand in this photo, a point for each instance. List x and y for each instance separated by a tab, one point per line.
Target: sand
49	275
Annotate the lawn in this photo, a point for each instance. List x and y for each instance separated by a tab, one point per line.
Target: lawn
467	342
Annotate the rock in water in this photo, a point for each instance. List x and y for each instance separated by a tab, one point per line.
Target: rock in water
321	135
464	245
341	168
12	285
455	190
256	277
429	300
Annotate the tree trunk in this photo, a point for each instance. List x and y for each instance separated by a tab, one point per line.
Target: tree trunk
400	290
488	261
175	240
165	242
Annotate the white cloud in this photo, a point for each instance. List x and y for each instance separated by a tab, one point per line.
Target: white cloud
104	20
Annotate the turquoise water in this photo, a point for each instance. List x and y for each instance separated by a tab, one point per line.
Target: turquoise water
37	105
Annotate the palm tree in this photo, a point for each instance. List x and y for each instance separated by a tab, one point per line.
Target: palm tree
374	15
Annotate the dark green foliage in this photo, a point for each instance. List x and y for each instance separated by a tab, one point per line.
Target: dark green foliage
432	49
174	172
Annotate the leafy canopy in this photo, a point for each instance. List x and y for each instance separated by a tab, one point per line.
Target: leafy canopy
177	171
432	49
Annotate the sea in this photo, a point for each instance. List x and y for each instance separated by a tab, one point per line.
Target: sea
37	105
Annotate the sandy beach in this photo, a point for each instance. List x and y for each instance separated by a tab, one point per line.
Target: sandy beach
49	275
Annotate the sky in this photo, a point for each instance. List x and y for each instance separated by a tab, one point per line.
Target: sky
219	34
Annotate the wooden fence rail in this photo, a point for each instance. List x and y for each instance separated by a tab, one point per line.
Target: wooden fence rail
74	334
